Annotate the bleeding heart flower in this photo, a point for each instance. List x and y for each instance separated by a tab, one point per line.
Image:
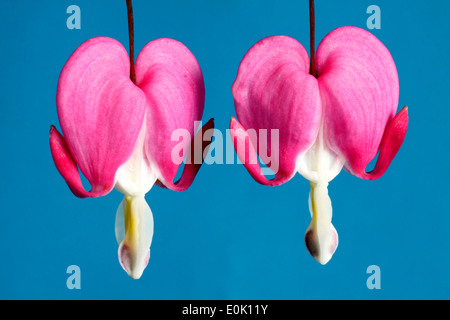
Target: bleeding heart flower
119	133
340	118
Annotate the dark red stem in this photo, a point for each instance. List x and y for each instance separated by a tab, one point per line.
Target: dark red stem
312	26
131	37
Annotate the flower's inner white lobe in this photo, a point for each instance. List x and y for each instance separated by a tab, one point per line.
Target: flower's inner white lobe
319	164
136	177
321	238
134	220
134	233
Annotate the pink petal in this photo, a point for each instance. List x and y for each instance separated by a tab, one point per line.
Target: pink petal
390	144
192	167
172	81
100	111
274	90
359	87
246	151
67	166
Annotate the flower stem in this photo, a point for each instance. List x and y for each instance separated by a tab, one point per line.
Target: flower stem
312	69
131	37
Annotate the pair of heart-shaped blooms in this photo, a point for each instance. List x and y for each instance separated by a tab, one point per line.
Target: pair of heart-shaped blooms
119	133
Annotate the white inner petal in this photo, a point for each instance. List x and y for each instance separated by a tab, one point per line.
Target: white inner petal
136	177
134	219
134	233
320	165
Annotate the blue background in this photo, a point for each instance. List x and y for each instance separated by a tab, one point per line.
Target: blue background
226	237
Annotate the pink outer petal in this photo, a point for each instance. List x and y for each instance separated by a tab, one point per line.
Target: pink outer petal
191	168
100	111
390	144
246	151
67	166
172	81
359	87
273	90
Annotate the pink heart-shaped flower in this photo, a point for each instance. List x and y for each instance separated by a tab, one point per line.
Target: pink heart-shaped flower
342	118
119	134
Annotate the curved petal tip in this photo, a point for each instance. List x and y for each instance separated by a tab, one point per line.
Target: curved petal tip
244	144
393	138
126	260
196	155
67	167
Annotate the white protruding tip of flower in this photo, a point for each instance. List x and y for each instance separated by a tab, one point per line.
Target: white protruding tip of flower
321	238
134	233
319	164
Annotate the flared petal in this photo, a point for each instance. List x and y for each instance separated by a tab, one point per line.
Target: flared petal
67	166
390	144
359	86
275	96
198	150
244	144
100	111
172	81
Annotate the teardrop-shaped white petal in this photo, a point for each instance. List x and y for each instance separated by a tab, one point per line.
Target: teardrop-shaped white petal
134	233
320	165
321	238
